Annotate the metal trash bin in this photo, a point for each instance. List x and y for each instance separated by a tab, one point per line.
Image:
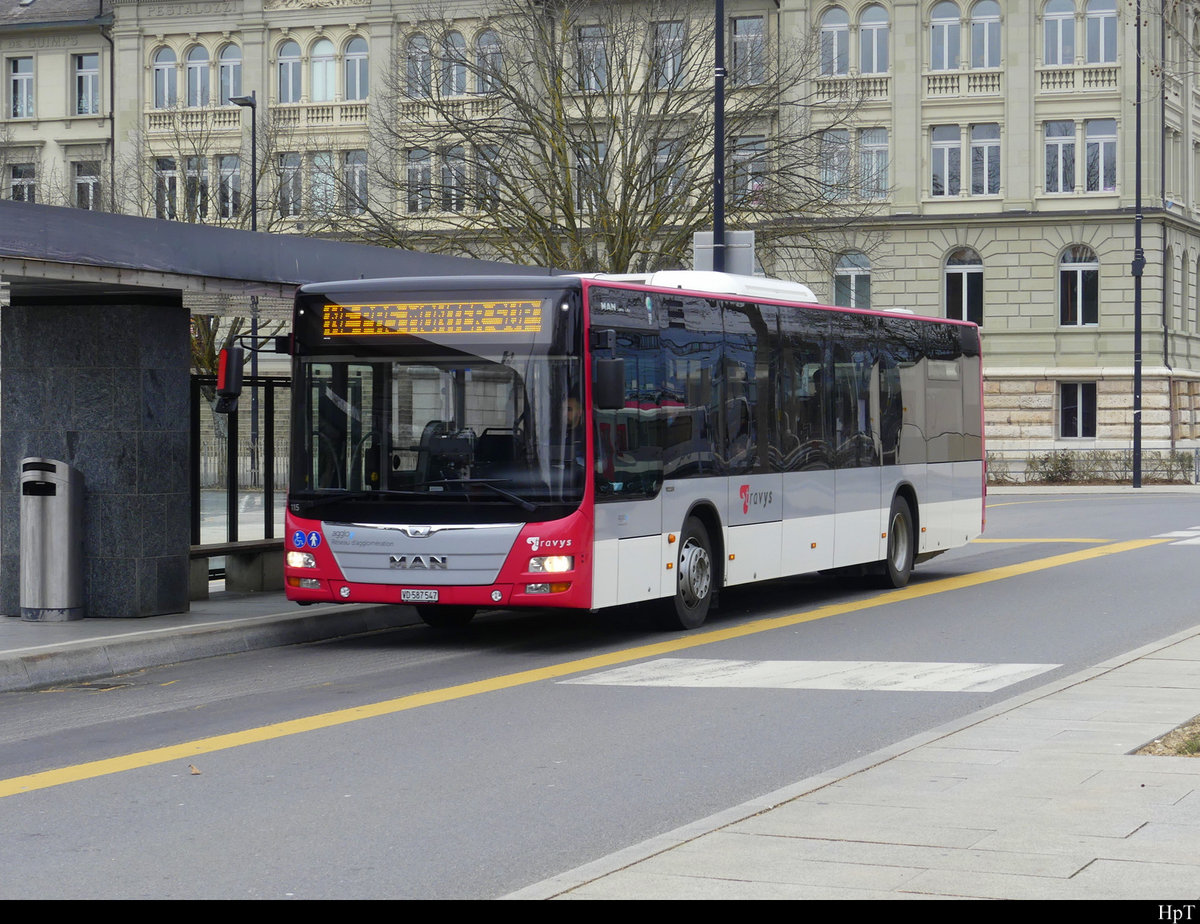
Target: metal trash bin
51	541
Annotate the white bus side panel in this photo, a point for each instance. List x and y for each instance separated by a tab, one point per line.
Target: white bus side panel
808	521
627	570
861	515
754	553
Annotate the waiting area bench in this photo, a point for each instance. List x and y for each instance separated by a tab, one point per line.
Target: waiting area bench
255	564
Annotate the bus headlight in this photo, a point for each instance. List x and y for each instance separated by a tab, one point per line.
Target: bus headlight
301	560
552	564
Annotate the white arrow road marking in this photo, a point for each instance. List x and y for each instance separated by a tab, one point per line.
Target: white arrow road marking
886	676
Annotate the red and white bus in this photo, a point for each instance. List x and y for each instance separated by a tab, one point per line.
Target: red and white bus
589	441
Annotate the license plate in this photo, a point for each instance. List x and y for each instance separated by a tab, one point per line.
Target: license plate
418	596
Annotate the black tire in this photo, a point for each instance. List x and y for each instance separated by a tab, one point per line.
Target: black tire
694	577
446	617
901	544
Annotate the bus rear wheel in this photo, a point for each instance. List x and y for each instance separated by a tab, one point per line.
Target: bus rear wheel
897	567
446	617
694	575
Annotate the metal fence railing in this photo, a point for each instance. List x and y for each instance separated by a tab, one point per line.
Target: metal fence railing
1095	466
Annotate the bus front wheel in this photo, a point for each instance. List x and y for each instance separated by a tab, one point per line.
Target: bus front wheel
446	617
897	567
693	577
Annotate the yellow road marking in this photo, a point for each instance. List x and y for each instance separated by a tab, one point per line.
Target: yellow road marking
189	749
1090	541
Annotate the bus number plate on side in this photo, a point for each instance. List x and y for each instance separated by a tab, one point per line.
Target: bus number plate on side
418	596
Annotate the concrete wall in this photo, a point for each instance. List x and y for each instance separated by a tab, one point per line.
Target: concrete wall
103	387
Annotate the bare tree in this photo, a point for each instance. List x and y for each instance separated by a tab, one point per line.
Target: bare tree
580	135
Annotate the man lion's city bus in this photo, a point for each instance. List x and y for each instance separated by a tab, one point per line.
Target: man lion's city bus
588	441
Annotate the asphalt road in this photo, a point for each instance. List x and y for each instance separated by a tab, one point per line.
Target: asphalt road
485	770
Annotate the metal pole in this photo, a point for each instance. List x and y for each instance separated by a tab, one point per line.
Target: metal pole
718	254
1139	259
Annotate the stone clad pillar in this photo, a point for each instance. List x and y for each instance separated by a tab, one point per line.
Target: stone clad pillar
101	383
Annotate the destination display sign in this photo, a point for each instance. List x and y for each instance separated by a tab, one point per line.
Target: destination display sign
513	316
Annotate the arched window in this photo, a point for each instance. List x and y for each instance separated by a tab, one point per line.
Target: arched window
944	31
964	286
229	68
197	76
454	65
852	281
985	34
419	76
165	86
323	72
488	62
1101	31
1078	287
357	63
873	41
1058	25
835	41
289	72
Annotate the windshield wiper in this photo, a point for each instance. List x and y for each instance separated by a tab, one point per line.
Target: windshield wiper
524	504
349	496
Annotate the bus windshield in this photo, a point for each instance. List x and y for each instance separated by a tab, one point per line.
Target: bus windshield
416	429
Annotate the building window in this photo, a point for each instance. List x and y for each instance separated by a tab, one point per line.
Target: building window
489	62
873	162
835	42
23	183
668	167
985	159
590	178
354	181
749	64
873	41
289	72
229	73
357	68
324	185
20	88
87	84
835	163
291	186
166	187
1058	24
454	65
944	34
667	54
418	68
749	170
1077	409
87	184
593	59
946	158
985	34
1060	157
964	286
1100	136
323	68
195	189
165	87
420	180
454	180
487	176
1078	287
1101	32
852	281
229	186
197	77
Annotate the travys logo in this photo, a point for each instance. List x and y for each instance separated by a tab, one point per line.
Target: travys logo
536	542
754	498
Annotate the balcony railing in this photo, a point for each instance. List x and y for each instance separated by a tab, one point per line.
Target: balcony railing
320	115
476	107
941	84
861	86
1074	78
207	118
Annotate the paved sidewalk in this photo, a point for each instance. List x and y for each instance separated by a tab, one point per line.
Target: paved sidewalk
1037	797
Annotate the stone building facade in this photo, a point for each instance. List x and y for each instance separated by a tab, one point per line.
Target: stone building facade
994	143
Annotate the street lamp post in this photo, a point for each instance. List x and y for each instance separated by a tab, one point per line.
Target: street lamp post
251	102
